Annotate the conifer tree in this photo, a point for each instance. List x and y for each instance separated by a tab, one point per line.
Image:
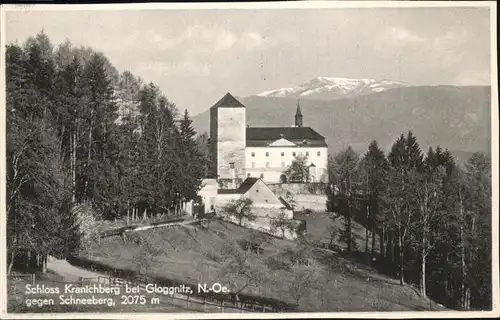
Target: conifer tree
373	170
195	168
35	183
346	179
406	161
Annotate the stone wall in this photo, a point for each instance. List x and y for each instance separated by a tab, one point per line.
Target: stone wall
298	188
264	225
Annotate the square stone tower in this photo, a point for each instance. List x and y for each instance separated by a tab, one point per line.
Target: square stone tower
228	141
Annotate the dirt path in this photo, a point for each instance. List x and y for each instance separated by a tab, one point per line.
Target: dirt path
69	272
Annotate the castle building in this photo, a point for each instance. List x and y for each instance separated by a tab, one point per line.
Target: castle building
239	151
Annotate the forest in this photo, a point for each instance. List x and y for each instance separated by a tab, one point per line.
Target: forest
83	137
432	214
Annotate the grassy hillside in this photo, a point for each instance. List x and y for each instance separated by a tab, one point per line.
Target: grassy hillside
457	118
196	256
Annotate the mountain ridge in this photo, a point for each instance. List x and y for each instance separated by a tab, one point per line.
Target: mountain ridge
456	118
331	88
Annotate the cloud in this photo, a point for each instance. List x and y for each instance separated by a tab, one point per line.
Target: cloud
252	40
205	38
176	68
396	36
196	51
404	36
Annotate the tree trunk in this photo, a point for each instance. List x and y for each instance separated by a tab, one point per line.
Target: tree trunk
44	266
367	236
392	247
467	299
367	233
73	166
128	213
383	242
462	257
27	263
349	233
423	291
373	242
11	263
401	261
89	156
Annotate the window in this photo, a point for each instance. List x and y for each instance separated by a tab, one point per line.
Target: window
262	176
253	164
267	154
319	153
282	154
267	164
231	165
253	154
294	154
257	190
307	154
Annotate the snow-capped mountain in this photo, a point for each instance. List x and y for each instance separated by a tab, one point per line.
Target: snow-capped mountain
327	88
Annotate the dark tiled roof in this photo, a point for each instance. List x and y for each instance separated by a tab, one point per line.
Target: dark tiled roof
244	187
299	143
247	184
228	101
289	133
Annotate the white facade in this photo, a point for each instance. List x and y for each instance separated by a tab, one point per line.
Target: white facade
270	163
208	194
264	152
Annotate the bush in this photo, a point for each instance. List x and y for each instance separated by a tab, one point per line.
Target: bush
87	222
317	188
278	263
380	305
214	256
247	245
307	212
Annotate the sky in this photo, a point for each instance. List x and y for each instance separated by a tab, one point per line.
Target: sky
196	56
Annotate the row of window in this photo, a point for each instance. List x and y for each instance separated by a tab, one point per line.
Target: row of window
283	164
267	164
293	154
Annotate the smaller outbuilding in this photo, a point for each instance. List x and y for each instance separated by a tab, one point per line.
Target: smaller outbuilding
266	205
